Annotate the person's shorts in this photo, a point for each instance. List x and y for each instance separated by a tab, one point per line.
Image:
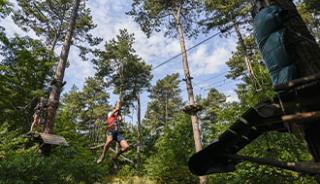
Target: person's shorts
116	135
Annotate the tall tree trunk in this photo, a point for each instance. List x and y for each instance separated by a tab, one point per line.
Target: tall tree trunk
139	132
57	83
245	54
166	116
194	117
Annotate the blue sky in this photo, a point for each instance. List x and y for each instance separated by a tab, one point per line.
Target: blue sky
206	61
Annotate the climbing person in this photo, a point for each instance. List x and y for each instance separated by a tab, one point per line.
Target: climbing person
38	114
113	123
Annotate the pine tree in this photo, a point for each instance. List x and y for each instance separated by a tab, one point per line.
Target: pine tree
50	19
86	105
178	18
25	72
5	8
57	83
95	99
309	11
165	101
120	66
227	15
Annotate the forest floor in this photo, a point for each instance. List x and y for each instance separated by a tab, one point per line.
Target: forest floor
130	180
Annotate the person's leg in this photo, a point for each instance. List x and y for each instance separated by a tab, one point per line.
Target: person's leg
124	146
105	148
36	119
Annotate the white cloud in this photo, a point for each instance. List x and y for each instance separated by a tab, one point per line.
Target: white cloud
11	28
110	17
203	62
78	70
231	96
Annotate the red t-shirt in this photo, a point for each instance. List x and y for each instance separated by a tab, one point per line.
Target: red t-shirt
112	121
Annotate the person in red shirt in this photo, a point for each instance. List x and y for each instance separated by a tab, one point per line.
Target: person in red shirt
113	123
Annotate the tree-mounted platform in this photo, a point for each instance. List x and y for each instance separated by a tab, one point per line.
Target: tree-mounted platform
45	138
192	109
298	102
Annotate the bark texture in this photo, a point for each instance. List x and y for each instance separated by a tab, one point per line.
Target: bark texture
139	132
246	55
57	83
194	117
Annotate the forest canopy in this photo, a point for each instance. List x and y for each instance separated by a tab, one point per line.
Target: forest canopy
61	51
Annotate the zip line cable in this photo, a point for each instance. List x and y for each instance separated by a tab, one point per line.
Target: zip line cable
211	78
187	50
217	84
214	85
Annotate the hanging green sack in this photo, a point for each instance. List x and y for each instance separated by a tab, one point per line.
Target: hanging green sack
270	35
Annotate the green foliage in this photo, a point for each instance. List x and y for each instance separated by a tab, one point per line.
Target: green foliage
165	101
50	20
164	104
88	104
72	103
20	164
120	65
5	8
312	5
167	137
248	92
310	12
212	105
95	98
25	72
237	63
169	163
271	145
153	15
225	14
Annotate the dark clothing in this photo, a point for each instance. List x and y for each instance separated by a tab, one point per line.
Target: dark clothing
116	135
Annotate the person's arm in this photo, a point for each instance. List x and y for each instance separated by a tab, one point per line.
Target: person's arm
37	107
120	118
117	108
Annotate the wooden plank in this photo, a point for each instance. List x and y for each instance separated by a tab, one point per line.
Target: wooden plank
53	139
300	118
296	82
303	116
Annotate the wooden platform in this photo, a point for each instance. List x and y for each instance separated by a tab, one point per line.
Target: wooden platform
192	109
53	139
47	138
